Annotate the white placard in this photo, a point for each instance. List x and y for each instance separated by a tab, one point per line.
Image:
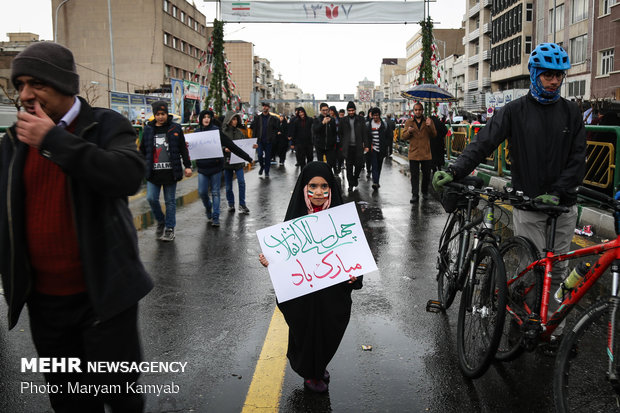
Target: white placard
316	251
247	146
204	145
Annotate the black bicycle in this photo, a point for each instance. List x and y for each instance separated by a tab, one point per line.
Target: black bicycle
475	267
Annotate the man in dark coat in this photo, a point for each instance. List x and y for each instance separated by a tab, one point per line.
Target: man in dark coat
265	130
355	143
301	138
324	131
69	246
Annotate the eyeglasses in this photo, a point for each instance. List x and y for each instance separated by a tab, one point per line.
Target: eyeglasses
551	74
315	186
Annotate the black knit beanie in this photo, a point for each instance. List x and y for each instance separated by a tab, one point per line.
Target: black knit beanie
50	63
160	105
351	105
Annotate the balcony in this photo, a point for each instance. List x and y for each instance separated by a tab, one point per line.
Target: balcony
486	55
474	10
487	3
486	28
473	60
472	85
473	35
486	82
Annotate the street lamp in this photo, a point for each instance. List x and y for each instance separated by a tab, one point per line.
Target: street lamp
56	21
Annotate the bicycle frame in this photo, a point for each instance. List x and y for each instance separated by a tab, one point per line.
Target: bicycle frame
610	251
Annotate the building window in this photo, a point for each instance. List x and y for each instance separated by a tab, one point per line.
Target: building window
579	10
166	5
529	12
189	21
607	61
166	38
577	88
167	72
559	19
195	25
175	42
528	44
183	16
606	5
182	46
578	49
174	11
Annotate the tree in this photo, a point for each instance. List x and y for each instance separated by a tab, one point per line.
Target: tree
11	94
426	67
219	87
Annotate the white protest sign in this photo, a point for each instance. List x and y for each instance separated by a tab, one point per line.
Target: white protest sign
247	146
204	145
316	251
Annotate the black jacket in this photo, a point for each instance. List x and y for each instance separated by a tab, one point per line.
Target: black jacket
384	140
103	167
212	166
324	135
547	145
301	132
361	135
272	128
179	155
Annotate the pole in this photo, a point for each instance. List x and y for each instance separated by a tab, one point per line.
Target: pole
56	21
111	46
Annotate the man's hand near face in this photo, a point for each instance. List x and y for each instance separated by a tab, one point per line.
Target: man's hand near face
32	128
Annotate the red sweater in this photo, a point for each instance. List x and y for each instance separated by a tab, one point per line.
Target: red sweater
50	229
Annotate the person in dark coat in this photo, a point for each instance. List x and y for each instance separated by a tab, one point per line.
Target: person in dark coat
354	142
210	170
69	245
282	140
438	145
301	138
316	321
379	142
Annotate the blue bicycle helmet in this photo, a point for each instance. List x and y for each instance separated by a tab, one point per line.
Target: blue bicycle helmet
549	56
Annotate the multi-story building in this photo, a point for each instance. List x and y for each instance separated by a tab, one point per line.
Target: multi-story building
365	95
240	55
152	43
477	56
448	41
605	41
8	50
391	71
512	30
454	69
263	81
290	92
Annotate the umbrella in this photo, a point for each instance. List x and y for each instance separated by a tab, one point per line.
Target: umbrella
428	92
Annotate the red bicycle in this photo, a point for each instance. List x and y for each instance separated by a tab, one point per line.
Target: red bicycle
586	370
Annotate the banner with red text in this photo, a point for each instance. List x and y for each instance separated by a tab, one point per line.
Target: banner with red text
316	251
395	12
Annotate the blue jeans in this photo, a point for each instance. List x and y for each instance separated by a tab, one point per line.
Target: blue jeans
152	196
230	195
264	156
212	206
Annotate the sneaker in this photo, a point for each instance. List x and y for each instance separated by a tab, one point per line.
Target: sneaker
244	209
266	175
414	199
215	223
168	235
317	386
375	186
231	208
160	230
260	171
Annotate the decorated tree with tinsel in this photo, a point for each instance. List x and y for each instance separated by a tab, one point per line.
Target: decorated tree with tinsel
426	68
220	93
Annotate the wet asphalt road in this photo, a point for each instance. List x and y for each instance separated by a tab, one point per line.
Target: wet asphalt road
213	302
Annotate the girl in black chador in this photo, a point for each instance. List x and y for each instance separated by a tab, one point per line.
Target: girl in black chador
316	321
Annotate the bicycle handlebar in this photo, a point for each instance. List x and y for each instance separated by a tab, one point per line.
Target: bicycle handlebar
597	196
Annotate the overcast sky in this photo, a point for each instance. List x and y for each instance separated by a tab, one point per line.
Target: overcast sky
319	58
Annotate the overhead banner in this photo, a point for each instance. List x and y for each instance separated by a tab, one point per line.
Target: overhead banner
395	12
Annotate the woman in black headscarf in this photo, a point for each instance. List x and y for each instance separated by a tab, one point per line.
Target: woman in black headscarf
316	321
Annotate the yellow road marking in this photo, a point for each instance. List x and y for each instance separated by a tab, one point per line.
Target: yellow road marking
266	386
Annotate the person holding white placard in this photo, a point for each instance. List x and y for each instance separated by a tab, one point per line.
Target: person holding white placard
316	321
210	170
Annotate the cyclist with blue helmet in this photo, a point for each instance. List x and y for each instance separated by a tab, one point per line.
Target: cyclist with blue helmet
547	145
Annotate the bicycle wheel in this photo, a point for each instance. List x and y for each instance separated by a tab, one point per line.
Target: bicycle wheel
523	295
447	261
580	379
482	312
